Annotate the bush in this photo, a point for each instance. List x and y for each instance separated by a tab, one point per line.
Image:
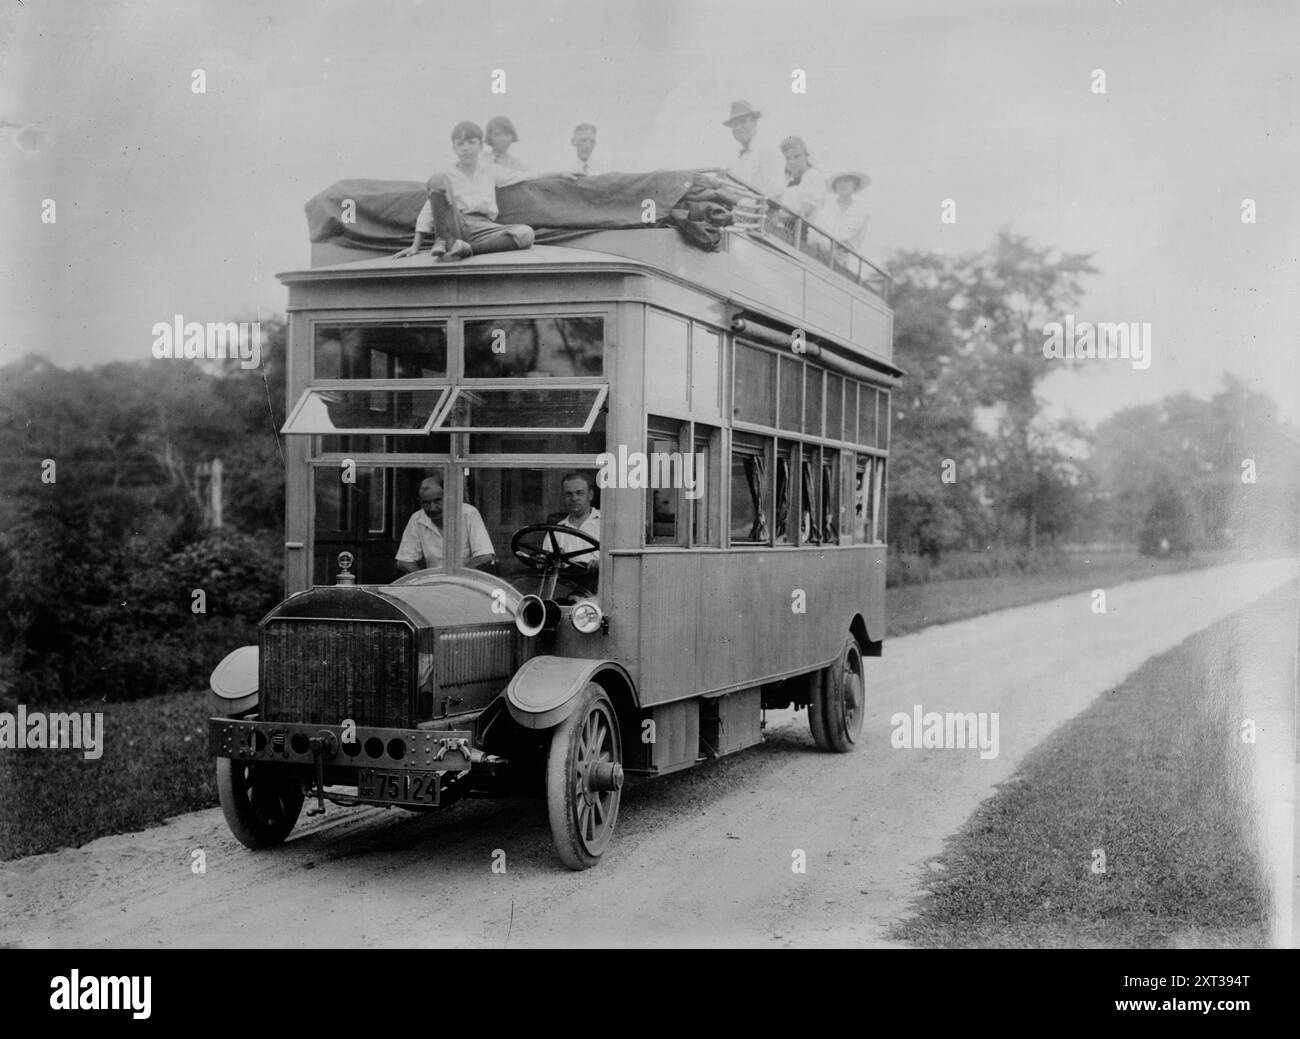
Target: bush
904	568
123	628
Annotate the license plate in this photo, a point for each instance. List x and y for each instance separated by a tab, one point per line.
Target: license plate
406	788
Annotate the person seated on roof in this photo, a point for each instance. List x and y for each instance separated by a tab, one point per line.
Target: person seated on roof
805	187
461	210
500	136
844	217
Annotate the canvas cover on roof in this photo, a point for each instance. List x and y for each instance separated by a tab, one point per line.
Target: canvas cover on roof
555	207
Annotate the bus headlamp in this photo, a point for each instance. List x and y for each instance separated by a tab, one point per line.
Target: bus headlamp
587	618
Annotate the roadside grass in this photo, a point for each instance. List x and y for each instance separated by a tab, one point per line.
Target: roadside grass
1153	774
155	762
154	765
911	607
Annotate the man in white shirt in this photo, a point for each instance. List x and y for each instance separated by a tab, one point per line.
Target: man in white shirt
805	187
584	143
756	164
422	541
844	217
582	516
461	210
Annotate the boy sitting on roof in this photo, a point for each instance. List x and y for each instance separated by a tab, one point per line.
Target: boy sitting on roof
461	210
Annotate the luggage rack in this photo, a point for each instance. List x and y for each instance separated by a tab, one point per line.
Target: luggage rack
756	214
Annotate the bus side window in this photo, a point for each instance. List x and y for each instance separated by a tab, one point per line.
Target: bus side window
786	514
665	478
830	473
877	495
810	531
861	499
705	496
750	472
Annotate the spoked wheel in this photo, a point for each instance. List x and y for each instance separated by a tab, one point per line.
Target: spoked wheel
839	702
584	780
261	803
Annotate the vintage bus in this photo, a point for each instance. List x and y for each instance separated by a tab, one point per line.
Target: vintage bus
727	413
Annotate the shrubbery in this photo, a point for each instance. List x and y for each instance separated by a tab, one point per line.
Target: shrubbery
104	621
903	568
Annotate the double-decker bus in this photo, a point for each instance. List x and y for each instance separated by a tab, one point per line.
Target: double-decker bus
728	413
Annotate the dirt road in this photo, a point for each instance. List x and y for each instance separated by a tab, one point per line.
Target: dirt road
701	858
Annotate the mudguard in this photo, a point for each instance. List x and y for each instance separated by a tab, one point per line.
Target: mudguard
545	690
234	682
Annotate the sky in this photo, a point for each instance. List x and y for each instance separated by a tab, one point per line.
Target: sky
170	201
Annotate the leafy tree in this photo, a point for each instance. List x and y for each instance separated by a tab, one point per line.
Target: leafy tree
969	332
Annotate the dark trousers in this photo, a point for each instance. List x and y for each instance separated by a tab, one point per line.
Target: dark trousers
483	235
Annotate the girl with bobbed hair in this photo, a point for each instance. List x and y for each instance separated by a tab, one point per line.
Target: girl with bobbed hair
501	134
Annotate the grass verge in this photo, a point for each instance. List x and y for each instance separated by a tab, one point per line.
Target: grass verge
911	607
1153	774
154	765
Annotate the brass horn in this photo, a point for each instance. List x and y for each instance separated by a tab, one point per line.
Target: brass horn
534	615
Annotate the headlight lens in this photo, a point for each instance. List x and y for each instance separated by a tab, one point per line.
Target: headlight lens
586	617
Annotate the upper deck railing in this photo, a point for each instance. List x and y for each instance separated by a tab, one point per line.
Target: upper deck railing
761	215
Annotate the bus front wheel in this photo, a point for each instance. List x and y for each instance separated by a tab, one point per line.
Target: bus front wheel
260	802
584	779
838	702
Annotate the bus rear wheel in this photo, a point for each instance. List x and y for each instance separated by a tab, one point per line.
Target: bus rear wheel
838	702
260	802
584	780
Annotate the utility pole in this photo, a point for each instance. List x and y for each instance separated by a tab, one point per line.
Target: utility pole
213	513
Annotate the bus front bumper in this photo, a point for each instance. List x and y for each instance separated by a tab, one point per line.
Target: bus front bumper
361	746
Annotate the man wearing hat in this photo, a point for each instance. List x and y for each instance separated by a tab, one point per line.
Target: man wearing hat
756	164
844	216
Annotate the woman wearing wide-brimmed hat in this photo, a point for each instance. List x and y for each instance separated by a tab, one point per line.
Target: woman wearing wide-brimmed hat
845	216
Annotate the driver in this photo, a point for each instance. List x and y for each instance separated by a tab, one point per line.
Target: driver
576	488
422	543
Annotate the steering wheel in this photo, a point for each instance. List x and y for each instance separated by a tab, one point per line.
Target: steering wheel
551	559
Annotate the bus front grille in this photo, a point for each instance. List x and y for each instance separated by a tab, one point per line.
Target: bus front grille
473	664
323	671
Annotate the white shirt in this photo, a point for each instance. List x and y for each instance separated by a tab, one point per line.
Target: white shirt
589	168
422	540
591	525
808	196
759	166
849	224
476	193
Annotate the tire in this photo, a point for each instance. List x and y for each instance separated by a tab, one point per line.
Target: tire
582	818
839	702
261	803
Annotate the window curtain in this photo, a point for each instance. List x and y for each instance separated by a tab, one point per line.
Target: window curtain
754	477
782	496
830	526
809	499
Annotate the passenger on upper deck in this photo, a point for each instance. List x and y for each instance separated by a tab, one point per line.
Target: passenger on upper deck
422	541
500	136
584	143
757	165
844	216
461	210
805	187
